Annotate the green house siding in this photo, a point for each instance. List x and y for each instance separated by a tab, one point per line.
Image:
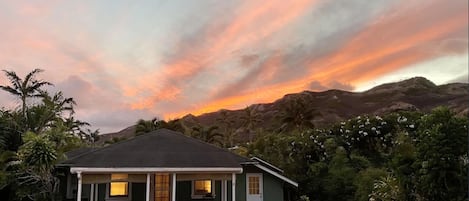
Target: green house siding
240	187
273	188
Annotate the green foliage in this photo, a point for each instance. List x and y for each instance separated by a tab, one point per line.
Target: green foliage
35	137
24	88
208	134
144	126
386	188
399	156
365	181
442	144
297	115
250	120
228	131
35	172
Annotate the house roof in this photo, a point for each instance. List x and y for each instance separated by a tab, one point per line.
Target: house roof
80	151
162	148
267	165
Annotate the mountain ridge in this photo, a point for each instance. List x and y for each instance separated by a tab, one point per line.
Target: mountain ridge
334	105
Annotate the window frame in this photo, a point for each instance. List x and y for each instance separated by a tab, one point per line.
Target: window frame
156	189
199	196
123	180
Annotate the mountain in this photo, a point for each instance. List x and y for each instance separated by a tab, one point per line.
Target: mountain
335	105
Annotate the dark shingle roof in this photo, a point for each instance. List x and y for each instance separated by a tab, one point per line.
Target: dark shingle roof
161	148
78	152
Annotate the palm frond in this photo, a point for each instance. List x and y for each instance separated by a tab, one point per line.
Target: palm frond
10	90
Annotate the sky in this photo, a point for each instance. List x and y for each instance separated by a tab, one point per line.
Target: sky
127	60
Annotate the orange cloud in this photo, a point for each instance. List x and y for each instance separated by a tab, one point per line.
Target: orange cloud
240	32
392	43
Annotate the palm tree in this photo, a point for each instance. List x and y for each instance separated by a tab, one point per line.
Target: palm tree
297	115
227	124
208	134
75	127
24	88
250	120
145	126
58	103
11	130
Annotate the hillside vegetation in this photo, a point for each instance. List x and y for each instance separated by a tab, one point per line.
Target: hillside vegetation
399	141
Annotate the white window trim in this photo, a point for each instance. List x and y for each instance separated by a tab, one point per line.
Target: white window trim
194	196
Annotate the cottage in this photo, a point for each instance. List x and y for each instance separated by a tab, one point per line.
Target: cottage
165	165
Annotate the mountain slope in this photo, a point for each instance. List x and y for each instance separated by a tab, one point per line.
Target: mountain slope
335	105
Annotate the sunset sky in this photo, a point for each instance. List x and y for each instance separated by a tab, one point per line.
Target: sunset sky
128	60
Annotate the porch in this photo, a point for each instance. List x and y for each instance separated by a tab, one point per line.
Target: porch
152	184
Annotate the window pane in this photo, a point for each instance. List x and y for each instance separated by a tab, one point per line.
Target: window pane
162	187
202	187
253	185
119	189
119	177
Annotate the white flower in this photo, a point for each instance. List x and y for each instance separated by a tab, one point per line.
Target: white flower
401	119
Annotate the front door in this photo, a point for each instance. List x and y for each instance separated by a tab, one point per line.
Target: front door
253	187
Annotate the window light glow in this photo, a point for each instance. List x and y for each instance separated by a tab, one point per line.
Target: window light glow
119	186
202	187
119	189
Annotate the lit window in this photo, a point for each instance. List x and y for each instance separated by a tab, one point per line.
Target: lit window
162	189
119	186
202	188
253	186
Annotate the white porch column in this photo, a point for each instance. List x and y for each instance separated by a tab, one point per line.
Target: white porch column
96	186
79	186
173	194
148	188
233	186
92	192
224	190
